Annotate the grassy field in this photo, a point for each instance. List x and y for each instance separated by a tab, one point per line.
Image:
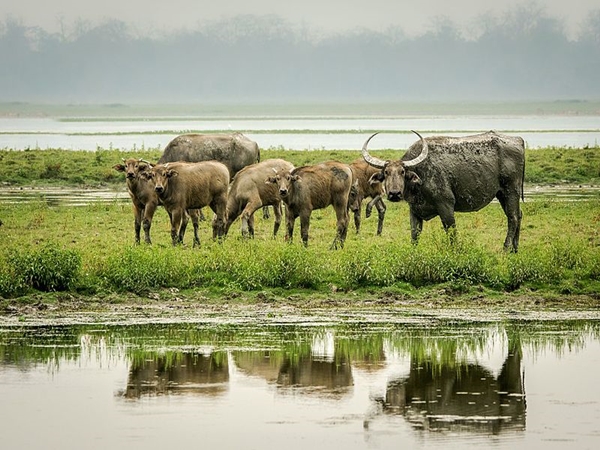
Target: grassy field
88	252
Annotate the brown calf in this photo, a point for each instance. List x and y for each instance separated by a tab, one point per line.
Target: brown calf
182	186
145	200
249	191
366	186
314	187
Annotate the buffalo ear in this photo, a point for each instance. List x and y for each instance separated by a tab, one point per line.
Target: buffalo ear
119	167
172	173
271	180
146	174
296	178
413	178
376	178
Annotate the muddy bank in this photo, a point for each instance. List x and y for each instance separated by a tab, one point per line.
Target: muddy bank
171	306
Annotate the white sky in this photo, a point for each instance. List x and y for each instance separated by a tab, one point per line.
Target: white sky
414	16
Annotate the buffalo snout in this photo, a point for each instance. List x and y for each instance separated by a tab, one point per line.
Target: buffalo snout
394	196
283	192
159	189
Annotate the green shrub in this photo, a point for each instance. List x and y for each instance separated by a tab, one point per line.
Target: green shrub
48	269
141	268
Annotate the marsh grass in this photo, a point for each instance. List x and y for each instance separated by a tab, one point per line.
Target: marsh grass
90	250
93	168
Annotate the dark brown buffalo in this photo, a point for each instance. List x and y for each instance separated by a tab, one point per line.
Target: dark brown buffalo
183	186
249	192
145	200
315	187
234	150
440	175
365	186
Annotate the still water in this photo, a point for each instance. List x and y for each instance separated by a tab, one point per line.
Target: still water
410	382
298	133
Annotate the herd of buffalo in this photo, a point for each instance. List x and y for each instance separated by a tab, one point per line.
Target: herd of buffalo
436	176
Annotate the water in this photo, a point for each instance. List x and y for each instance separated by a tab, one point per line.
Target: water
362	382
298	133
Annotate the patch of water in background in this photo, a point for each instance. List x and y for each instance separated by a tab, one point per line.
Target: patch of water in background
84	197
294	133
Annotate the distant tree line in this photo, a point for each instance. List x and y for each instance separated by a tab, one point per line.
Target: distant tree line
523	54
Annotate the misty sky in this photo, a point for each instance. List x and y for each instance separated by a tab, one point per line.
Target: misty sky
413	17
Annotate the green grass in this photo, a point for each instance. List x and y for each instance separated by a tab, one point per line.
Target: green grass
89	250
58	167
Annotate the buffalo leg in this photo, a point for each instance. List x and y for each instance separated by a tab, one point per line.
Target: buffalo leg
195	216
137	222
149	211
219	207
304	227
416	227
266	212
513	212
176	220
277	221
381	208
342	227
290	218
247	217
356	214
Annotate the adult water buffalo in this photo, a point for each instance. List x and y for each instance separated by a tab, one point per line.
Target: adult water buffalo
249	191
183	186
145	200
365	186
440	175
234	150
314	187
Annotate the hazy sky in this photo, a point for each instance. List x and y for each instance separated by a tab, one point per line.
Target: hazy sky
326	15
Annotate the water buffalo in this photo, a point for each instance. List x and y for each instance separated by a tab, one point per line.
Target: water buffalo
234	150
145	200
314	187
365	186
440	175
183	186
249	191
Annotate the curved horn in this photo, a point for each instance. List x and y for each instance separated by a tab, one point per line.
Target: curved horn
422	155
147	162
371	160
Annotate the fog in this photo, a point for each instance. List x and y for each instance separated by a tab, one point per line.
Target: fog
521	53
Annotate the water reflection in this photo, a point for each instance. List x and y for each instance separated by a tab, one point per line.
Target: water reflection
179	373
464	397
444	379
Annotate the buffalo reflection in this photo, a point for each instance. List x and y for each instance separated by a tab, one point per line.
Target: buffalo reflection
299	371
178	373
460	397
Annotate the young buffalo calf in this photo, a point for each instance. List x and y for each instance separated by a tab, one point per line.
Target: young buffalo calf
315	187
181	186
248	192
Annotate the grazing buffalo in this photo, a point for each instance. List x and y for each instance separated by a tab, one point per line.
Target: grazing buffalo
234	150
440	175
183	186
144	198
365	186
249	191
315	187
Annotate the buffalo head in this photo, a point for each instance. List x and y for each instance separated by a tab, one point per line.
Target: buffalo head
395	174
284	180
133	167
160	175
